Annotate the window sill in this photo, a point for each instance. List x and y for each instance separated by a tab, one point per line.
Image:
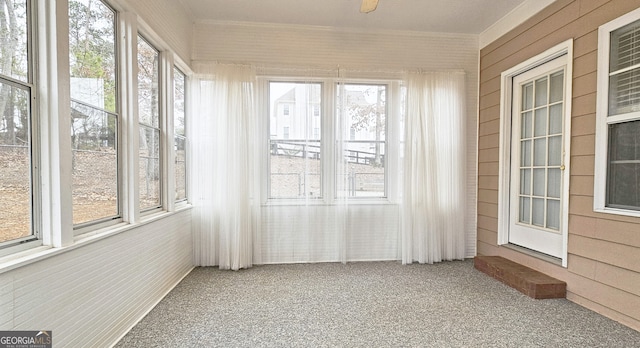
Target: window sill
615	211
39	253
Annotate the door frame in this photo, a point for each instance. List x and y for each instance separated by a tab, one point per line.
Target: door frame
564	49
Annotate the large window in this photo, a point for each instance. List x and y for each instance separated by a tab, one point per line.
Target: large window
362	110
16	124
149	118
179	132
353	131
294	146
617	166
94	114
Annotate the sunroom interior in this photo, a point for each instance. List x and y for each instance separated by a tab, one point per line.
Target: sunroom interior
141	139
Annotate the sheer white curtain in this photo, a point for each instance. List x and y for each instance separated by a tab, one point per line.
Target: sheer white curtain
433	203
225	167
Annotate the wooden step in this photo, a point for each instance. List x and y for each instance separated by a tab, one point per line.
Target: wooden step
524	279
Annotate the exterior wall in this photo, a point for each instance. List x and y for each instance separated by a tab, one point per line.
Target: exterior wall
91	295
372	54
603	271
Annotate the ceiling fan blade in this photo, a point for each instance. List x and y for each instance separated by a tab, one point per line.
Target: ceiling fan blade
368	6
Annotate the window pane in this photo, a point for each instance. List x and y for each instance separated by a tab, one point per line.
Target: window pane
148	102
92	53
94	118
178	102
366	172
14	60
95	163
179	133
364	121
295	135
181	168
15	163
624	165
149	167
625	47
624	92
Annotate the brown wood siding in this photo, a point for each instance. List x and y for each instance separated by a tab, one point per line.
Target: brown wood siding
603	270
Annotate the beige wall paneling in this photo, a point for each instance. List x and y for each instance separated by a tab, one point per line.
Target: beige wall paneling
604	251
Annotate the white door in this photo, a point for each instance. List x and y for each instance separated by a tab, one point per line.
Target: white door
537	159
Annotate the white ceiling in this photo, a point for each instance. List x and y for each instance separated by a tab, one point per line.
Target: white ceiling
451	16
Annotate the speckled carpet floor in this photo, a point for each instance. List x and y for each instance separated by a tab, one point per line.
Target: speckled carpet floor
366	304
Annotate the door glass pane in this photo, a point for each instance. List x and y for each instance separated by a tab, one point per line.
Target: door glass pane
525	181
526	125
538	182
554	182
553	214
538	212
527	96
525	210
555	119
540	127
539	152
555	150
556	87
525	158
541	91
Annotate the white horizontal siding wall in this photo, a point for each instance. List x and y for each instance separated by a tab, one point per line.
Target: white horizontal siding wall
295	46
292	234
92	295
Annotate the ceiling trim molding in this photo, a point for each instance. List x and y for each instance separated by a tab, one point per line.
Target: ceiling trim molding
517	16
285	26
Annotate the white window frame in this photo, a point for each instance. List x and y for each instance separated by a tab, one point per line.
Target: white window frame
51	129
328	165
184	136
120	22
32	87
602	118
504	164
160	128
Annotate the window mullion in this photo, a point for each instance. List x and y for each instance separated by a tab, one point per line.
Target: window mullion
167	155
328	145
51	132
129	144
